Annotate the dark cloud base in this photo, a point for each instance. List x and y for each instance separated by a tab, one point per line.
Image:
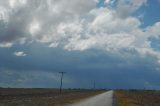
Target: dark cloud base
40	68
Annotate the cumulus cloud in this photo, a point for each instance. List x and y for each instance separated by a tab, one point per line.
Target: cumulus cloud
24	18
53	45
77	24
20	54
126	7
6	45
154	30
109	2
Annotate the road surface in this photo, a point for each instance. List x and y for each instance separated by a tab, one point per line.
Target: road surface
104	99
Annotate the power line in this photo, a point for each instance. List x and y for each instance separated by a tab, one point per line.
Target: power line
61	84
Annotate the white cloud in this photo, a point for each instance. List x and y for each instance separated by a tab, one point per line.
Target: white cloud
20	54
106	20
127	7
154	30
47	13
80	44
53	45
34	28
149	52
109	2
3	14
15	3
6	45
77	24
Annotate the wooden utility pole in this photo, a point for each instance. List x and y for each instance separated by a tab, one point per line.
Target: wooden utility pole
61	84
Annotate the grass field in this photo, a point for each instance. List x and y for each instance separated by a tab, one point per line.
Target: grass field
43	97
138	97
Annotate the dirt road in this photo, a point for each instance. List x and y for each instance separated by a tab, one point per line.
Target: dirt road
105	99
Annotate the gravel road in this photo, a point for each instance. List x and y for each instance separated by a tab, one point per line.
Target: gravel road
104	99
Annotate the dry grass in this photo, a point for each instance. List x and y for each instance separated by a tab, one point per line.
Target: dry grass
138	98
42	97
123	100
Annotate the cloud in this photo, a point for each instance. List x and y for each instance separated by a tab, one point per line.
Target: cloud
53	45
126	7
6	45
67	25
20	54
40	68
154	30
83	38
109	2
22	16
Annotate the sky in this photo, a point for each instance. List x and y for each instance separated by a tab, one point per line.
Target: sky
115	43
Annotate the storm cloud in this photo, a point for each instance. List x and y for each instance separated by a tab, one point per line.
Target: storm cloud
91	40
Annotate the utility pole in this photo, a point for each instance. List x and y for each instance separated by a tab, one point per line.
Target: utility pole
62	73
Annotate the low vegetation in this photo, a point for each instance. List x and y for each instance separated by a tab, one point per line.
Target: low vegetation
138	97
43	97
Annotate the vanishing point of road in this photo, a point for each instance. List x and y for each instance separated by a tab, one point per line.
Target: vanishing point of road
104	99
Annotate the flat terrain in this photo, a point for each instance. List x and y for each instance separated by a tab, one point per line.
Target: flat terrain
138	97
104	99
43	97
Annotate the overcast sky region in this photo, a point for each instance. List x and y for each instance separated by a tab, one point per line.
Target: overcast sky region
114	42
